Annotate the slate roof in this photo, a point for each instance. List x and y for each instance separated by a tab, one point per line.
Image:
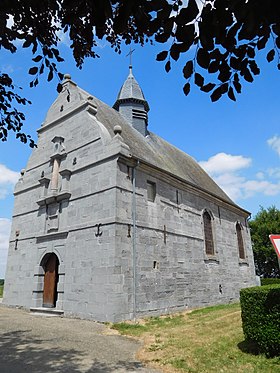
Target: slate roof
158	152
151	149
131	91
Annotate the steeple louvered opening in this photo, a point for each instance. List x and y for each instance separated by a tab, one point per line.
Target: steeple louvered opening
132	104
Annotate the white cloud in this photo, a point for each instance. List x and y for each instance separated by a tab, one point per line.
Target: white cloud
8	178
226	170
260	175
223	162
231	184
274	172
5	227
274	143
251	187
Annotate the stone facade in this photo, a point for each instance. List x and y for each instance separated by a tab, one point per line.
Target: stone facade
123	215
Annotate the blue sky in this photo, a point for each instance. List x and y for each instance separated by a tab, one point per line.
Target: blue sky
238	143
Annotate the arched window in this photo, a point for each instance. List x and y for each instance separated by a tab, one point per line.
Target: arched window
208	233
240	241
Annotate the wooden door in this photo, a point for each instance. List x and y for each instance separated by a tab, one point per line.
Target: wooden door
50	281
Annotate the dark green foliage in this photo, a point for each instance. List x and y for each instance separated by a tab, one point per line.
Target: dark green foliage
221	38
266	222
270	281
1	287
260	312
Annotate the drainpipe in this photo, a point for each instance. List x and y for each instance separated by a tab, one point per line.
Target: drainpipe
134	252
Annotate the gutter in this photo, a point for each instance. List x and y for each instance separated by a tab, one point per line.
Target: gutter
134	248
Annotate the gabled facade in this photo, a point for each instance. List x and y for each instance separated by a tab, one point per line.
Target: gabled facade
111	222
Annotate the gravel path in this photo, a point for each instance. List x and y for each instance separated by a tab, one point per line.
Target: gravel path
41	344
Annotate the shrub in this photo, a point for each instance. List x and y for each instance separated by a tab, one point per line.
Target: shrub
270	281
260	312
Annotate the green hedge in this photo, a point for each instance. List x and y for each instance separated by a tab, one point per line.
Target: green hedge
260	312
270	281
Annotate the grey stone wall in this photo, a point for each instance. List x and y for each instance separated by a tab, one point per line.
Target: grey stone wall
87	222
86	262
173	271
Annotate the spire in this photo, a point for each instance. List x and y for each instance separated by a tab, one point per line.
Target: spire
132	104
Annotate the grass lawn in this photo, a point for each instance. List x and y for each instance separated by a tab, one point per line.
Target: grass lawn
202	341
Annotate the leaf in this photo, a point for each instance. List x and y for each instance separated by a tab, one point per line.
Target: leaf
270	55
235	63
213	67
261	43
188	69
175	52
185	33
162	56
34	48
188	13
164	11
187	88
224	74
224	88
50	76
231	94
162	37
237	86
59	59
33	70
37	58
254	67
208	87
27	43
251	52
203	58
198	79
167	66
216	95
248	76
59	87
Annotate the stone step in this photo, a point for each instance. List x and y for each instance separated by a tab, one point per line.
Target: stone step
43	311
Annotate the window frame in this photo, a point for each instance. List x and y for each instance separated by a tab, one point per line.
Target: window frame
240	242
209	253
151	186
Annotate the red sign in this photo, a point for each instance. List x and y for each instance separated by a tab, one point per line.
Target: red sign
275	240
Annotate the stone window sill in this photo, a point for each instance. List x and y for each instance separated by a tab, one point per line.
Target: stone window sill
243	262
54	198
211	259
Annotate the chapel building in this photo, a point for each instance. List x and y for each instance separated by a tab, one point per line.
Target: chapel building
111	222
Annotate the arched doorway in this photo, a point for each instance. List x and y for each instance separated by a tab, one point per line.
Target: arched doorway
50	264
